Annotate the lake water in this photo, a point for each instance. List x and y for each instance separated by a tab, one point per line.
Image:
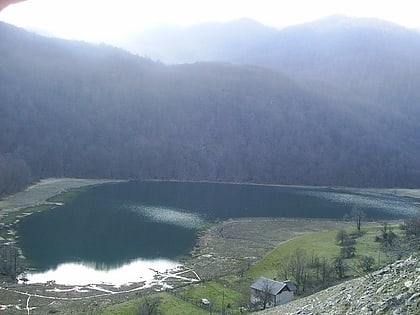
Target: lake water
113	226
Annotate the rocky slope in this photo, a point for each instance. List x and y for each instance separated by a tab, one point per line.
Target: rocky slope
394	290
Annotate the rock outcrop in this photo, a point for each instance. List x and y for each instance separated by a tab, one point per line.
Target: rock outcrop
393	290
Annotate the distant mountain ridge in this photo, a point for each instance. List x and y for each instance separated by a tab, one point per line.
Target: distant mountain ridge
203	42
226	40
374	60
79	110
337	52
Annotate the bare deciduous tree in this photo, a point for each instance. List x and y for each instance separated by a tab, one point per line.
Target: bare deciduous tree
358	215
340	266
297	267
366	263
326	271
411	229
341	236
387	238
265	295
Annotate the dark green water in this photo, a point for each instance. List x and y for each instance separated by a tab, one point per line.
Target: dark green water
113	224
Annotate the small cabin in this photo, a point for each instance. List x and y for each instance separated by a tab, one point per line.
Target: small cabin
271	292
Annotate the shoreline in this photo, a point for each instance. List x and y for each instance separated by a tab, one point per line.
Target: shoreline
38	195
391	190
221	248
39	192
13	207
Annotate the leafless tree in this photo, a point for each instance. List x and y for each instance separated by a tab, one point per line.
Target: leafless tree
326	271
265	295
411	229
387	238
348	250
341	236
340	266
358	215
297	267
366	263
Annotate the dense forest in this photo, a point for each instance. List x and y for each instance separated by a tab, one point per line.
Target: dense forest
336	115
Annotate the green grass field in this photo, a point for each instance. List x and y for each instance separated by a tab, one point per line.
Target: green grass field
232	290
169	304
323	244
218	293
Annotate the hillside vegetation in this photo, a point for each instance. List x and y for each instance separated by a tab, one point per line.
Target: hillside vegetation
393	287
328	116
391	290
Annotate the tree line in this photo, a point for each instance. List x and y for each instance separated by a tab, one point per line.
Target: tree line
311	272
78	110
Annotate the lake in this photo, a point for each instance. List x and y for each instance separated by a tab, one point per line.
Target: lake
111	227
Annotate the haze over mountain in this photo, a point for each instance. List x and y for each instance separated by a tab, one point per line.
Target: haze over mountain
351	53
211	41
335	102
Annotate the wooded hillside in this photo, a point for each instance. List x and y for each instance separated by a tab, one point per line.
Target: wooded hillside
75	109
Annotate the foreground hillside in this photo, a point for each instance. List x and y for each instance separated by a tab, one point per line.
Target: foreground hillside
70	109
394	289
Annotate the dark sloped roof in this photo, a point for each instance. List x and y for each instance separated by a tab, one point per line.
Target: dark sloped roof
272	286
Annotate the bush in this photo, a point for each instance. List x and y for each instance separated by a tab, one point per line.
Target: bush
149	305
411	229
366	263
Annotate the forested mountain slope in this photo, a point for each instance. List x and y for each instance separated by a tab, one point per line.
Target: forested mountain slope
371	67
373	62
74	109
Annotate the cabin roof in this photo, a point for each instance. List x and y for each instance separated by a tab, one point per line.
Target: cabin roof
272	286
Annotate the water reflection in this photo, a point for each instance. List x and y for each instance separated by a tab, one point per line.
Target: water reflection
81	274
92	229
168	215
386	203
125	228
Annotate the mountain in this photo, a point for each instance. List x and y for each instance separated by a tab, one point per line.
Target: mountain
366	66
203	42
74	109
355	55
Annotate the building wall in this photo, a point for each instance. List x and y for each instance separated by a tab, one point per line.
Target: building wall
284	297
256	298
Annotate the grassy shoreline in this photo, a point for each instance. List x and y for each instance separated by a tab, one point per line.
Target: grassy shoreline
232	290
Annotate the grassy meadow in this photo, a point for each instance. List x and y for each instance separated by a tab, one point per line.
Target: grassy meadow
232	291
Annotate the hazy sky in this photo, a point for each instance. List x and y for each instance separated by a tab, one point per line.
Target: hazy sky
103	20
